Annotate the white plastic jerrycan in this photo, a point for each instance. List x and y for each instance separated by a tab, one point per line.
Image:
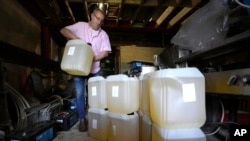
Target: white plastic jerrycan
77	58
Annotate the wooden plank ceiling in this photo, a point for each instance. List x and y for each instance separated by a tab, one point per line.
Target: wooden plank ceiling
138	22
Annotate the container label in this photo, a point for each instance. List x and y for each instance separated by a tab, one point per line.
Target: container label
71	50
94	93
94	124
188	91
113	130
115	91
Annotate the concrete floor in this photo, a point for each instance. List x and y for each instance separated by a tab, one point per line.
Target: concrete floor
73	135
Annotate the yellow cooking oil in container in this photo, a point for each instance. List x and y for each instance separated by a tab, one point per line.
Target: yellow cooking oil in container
178	134
77	58
123	127
144	92
98	124
177	98
97	96
145	124
122	93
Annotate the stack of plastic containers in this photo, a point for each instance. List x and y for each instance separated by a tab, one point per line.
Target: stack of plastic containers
144	92
98	124
145	121
123	104
77	58
180	134
145	131
97	96
177	104
97	113
123	127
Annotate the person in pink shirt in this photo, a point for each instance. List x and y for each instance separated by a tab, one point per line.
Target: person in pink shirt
92	33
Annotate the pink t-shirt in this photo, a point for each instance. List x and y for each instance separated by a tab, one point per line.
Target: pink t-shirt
98	39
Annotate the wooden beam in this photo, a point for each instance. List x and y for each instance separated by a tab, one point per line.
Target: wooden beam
119	12
49	8
16	55
135	14
168	10
181	14
164	15
69	9
195	2
85	3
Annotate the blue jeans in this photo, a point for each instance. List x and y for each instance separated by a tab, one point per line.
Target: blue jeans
79	82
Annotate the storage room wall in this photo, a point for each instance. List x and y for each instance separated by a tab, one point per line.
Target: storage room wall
20	29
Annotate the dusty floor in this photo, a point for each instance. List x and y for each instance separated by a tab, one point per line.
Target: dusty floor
73	135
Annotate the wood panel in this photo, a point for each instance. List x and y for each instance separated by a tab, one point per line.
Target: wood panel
16	55
131	53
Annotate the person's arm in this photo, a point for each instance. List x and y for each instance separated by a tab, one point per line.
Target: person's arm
68	34
101	55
